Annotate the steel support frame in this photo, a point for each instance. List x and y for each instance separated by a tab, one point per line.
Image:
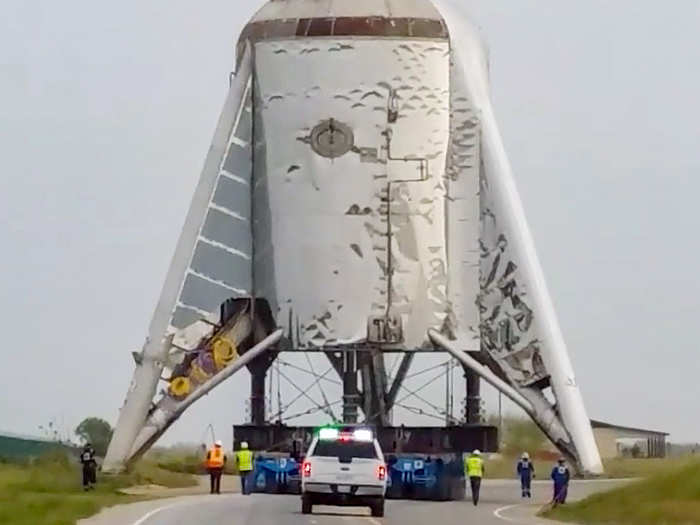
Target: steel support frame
351	393
436	440
377	397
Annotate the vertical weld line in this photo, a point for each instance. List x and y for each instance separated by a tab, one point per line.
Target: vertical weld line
253	144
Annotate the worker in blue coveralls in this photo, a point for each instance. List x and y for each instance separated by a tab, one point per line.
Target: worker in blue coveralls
526	471
560	476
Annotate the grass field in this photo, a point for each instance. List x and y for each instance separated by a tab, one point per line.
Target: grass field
519	434
49	492
618	468
670	497
504	467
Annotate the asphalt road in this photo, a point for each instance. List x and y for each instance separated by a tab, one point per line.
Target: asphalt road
500	504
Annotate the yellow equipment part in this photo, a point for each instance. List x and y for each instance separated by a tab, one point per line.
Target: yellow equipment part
224	352
180	387
197	375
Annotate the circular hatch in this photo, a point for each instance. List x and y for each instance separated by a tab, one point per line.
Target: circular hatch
332	139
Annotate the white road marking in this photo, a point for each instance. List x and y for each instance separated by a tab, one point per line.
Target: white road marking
498	512
143	519
149	515
363	518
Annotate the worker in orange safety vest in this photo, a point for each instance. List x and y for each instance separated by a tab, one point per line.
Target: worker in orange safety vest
216	459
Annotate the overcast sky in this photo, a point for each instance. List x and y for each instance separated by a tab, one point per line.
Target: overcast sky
106	113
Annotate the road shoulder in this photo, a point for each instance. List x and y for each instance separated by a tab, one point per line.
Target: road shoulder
131	513
159	498
522	513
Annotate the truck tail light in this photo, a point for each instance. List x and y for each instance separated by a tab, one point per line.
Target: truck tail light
307	469
381	472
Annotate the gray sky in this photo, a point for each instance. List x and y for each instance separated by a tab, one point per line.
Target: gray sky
106	112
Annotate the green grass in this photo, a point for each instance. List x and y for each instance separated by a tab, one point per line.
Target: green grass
48	491
670	497
640	468
618	468
504	467
520	434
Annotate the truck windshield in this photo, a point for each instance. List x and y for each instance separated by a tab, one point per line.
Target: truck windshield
345	449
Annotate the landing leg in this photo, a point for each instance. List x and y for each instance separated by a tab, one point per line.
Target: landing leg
351	396
258	372
473	408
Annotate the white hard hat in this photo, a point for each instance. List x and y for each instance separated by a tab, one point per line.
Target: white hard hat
477	452
218	443
526	455
244	444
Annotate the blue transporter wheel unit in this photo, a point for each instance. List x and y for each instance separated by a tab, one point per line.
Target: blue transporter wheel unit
422	463
425	477
275	474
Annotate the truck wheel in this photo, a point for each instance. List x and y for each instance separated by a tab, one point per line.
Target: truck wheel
461	494
443	490
378	508
306	505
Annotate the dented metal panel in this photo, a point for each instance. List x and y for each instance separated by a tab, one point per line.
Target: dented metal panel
463	215
325	214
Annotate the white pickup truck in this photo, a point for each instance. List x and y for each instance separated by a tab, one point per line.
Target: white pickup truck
344	466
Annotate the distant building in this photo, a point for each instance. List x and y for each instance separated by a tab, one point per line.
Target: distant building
15	446
618	441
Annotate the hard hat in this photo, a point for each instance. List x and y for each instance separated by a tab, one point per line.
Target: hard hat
526	455
218	443
244	445
561	460
477	452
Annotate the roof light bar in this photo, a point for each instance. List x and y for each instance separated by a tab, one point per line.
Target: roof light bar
328	433
362	434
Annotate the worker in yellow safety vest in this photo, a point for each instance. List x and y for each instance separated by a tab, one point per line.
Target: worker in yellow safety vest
216	459
244	460
474	469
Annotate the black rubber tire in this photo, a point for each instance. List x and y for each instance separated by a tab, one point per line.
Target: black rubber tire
378	508
307	505
443	489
